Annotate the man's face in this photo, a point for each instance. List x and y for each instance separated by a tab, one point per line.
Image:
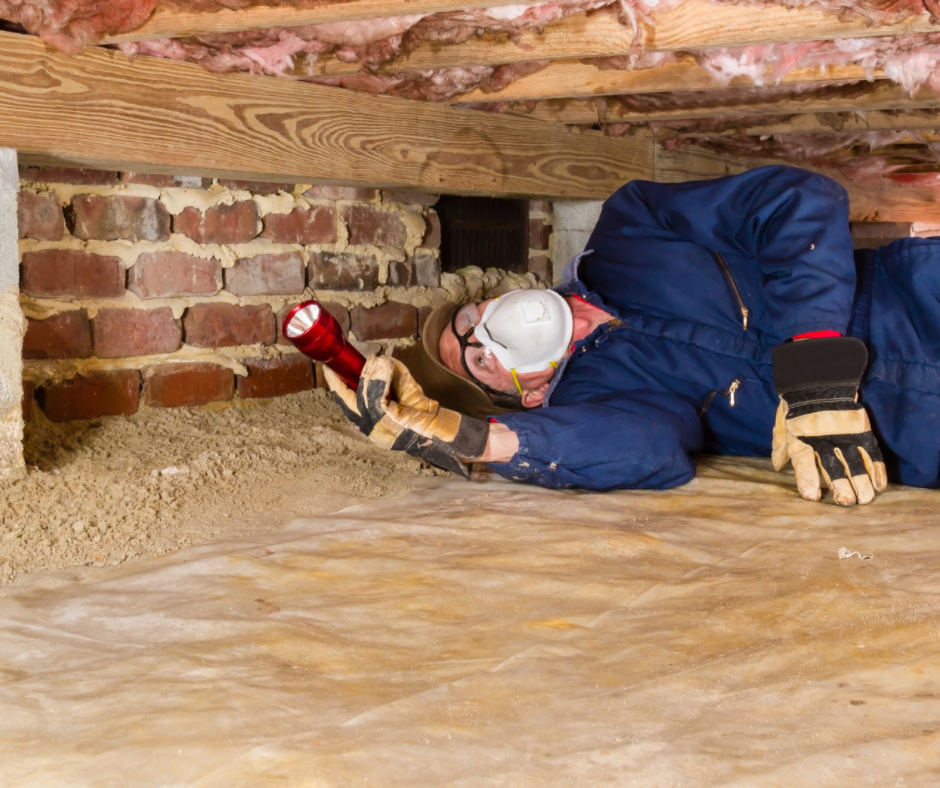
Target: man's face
483	364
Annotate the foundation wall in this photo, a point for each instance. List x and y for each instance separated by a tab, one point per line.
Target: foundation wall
168	291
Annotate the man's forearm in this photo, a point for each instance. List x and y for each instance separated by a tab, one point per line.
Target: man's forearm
501	444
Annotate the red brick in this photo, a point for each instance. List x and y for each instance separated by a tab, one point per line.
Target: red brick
339	193
164	274
62	273
256	187
540	206
388	321
167	181
65	335
342	271
541	266
427	268
92	217
135	332
409	197
221	224
338	311
275	377
432	233
539	233
187	385
68	175
275	274
373	226
313	225
88	397
423	313
39	216
29	395
224	325
421	270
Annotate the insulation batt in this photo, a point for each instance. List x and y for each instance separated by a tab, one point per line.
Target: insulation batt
371	42
74	24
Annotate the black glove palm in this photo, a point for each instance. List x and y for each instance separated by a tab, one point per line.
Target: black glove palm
820	421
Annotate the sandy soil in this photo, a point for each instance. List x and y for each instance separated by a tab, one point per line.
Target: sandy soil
113	490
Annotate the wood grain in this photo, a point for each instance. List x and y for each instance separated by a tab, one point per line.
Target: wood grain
876	200
176	24
696	24
573	79
153	115
881	96
926	124
699	24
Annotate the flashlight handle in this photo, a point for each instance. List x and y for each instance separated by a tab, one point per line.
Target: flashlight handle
348	364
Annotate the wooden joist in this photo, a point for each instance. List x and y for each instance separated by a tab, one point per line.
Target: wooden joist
177	24
696	24
926	124
881	95
153	115
870	200
573	79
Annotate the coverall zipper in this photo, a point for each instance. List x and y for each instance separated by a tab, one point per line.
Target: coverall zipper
729	393
726	272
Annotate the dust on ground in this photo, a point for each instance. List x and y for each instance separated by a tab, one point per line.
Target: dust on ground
105	492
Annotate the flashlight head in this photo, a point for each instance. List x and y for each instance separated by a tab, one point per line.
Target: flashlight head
316	334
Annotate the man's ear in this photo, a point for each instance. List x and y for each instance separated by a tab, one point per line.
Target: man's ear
532	398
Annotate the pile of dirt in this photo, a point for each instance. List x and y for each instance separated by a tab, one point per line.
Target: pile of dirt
105	492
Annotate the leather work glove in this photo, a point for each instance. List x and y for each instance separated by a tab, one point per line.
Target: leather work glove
409	421
819	420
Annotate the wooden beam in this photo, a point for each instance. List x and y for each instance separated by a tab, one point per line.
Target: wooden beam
176	24
696	24
881	96
99	109
573	79
700	24
926	124
870	200
579	36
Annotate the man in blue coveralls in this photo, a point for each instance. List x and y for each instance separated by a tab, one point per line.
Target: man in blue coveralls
727	316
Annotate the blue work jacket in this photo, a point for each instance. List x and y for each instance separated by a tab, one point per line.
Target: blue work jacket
705	279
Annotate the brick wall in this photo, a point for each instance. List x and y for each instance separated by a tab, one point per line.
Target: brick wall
163	291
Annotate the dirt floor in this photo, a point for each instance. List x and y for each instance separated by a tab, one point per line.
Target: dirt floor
114	490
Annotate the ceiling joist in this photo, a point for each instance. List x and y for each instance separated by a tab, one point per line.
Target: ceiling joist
573	79
151	115
875	200
696	24
882	96
926	124
178	24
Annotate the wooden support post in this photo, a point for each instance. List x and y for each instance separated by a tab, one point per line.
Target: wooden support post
11	323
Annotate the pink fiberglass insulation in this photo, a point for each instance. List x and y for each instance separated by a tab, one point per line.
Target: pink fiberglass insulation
73	24
371	42
848	153
911	61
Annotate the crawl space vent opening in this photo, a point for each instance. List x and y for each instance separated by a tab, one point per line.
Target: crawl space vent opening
485	232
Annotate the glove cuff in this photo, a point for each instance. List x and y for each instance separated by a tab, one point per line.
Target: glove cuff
471	438
817	370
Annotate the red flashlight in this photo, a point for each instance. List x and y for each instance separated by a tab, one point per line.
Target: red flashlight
316	334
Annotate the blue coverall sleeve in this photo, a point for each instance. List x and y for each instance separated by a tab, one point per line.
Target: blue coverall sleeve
634	440
792	222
